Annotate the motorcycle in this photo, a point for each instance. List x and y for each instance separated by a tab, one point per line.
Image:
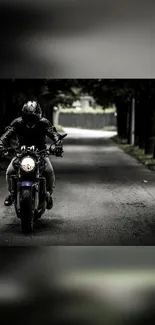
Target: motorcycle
28	185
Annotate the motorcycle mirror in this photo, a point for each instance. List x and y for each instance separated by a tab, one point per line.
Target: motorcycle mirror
62	136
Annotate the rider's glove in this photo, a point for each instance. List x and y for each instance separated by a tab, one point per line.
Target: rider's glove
58	149
1	148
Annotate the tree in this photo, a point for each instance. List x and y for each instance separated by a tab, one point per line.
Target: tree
106	92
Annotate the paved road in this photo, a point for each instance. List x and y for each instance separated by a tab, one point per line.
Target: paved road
100	198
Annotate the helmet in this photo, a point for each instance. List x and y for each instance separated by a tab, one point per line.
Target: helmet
31	113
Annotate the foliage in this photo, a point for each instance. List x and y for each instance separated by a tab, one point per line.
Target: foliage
109	91
62	91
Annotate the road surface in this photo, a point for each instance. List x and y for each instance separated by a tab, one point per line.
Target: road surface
100	198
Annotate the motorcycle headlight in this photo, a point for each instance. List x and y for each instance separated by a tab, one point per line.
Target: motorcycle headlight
27	164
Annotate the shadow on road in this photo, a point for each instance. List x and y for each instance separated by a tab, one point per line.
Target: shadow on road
42	225
98	174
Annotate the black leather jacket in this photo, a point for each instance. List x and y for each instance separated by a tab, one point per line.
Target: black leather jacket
30	136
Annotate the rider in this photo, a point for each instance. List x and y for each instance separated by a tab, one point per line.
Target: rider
31	129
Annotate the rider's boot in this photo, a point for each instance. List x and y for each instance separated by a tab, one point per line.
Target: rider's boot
8	201
49	200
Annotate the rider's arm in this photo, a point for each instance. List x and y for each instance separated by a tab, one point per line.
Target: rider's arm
10	131
51	131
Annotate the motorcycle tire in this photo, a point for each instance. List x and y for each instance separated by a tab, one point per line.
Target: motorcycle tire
26	211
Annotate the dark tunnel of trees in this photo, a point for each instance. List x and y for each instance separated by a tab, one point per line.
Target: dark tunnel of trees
134	100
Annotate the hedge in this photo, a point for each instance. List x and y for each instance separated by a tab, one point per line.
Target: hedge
87	111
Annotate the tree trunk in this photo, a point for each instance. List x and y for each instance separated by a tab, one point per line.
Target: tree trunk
122	120
128	123
5	104
149	146
150	128
137	124
132	123
141	120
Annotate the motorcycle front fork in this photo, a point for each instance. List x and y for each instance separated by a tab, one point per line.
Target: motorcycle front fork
13	184
38	190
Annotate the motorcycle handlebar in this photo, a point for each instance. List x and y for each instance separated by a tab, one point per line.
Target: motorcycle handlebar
49	152
53	151
17	149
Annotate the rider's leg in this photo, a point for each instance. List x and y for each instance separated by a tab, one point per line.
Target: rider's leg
49	175
10	171
50	182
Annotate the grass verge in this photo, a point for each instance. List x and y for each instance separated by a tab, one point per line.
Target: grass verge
136	152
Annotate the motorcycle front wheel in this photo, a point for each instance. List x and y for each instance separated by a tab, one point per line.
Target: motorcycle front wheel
26	210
